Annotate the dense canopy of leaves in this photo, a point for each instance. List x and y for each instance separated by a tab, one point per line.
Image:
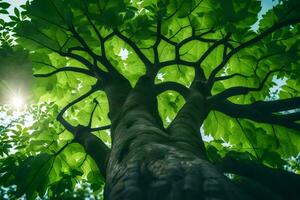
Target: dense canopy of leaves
251	78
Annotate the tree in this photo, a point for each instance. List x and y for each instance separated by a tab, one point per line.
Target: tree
156	74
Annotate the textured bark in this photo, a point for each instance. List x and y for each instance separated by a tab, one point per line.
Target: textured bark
149	162
117	89
160	171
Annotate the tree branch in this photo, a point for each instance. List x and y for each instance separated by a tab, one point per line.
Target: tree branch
96	57
60	117
279	181
93	26
212	47
98	72
103	59
257	115
176	62
222	78
92	114
249	43
181	89
295	116
158	39
186	125
100	128
276	105
94	146
66	69
83	43
140	54
239	90
75	48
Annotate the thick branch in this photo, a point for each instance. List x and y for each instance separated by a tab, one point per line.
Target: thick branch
199	74
66	124
94	146
186	125
275	106
295	116
257	115
281	182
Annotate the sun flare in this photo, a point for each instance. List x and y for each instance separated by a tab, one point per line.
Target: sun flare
17	101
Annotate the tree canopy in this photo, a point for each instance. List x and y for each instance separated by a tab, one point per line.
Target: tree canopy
249	80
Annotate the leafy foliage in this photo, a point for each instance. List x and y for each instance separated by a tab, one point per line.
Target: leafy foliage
204	45
35	156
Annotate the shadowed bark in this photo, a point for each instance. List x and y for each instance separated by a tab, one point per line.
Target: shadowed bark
149	162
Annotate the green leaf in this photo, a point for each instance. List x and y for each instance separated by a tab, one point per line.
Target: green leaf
4	12
4	5
31	174
17	12
273	159
184	8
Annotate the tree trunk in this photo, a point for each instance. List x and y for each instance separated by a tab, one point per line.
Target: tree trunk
148	162
158	170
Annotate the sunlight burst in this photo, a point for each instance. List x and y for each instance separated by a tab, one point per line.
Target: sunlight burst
17	101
